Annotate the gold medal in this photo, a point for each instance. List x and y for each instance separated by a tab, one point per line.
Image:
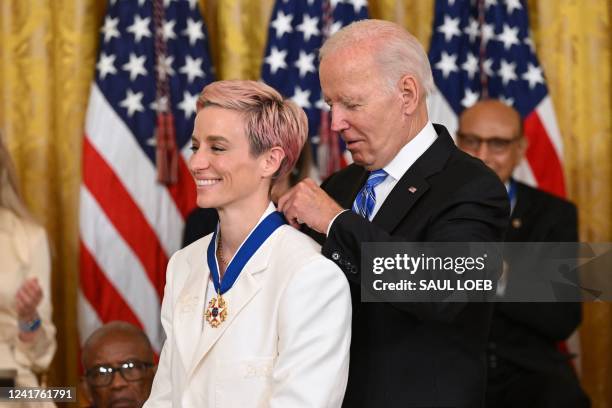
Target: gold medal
216	312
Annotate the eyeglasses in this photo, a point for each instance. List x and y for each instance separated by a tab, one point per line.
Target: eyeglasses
102	375
495	144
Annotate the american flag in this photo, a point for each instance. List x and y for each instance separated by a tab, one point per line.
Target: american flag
297	30
130	223
483	48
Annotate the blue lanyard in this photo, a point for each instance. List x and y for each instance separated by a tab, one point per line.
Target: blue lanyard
253	242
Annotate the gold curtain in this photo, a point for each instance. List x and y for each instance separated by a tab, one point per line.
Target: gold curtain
47	58
47	61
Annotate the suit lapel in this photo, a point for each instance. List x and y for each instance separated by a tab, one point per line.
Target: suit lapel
413	184
350	190
189	309
243	291
404	195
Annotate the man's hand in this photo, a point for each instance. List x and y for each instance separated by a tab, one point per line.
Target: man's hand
306	203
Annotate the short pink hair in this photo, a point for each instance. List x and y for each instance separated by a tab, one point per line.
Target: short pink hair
270	120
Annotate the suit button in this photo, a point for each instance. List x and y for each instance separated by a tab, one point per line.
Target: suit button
492	361
335	255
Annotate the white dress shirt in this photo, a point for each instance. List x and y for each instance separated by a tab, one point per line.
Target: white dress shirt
399	165
402	161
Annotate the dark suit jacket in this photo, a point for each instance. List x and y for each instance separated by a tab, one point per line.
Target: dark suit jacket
419	354
199	223
526	334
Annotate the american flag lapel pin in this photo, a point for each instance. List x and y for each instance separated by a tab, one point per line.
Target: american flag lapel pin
412	189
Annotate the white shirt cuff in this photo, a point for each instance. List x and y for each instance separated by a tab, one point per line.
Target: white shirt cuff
332	221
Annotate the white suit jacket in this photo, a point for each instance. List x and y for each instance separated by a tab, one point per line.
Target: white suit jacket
285	342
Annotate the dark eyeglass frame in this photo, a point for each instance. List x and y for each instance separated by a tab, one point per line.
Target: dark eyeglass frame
122	368
495	144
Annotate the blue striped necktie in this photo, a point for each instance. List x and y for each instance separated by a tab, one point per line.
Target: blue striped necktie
366	199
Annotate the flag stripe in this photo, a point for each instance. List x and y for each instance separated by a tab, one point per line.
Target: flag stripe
296	32
115	143
124	214
130	223
96	288
121	267
491	40
548	118
542	157
184	191
88	317
523	172
440	111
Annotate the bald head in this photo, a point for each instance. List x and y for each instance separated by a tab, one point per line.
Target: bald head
493	113
116	330
493	132
119	347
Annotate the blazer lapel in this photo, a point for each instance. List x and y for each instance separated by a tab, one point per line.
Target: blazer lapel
189	309
243	291
413	183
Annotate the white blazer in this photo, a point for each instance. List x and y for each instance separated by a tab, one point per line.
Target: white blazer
285	342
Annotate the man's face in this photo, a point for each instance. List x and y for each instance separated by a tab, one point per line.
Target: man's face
364	111
490	131
114	351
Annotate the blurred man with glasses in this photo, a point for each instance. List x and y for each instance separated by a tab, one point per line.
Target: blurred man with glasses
493	132
525	366
119	368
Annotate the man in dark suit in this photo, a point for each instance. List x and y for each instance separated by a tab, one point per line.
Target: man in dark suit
408	183
526	368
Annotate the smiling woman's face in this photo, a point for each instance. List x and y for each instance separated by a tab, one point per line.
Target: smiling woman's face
225	172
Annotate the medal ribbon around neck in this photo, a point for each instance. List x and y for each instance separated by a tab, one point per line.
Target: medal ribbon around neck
254	241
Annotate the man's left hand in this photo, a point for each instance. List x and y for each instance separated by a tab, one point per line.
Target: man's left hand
306	203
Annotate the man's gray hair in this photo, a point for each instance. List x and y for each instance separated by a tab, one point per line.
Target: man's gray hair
396	51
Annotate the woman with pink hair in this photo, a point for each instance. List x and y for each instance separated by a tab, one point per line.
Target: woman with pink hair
254	315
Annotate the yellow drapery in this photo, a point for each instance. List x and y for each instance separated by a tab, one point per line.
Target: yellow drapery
47	60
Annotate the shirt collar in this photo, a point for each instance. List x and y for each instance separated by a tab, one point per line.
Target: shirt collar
411	151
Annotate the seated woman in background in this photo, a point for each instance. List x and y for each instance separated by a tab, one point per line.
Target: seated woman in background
27	334
203	221
254	315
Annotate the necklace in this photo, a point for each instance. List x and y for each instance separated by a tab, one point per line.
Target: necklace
220	257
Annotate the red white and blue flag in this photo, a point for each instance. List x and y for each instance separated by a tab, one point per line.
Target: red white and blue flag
297	30
136	190
483	49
